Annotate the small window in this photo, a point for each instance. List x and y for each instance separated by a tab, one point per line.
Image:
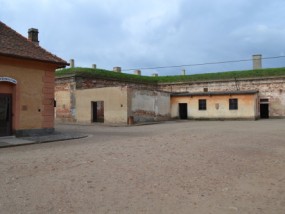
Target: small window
264	100
205	89
203	104
233	104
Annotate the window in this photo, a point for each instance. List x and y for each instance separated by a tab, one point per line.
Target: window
264	100
202	104
233	104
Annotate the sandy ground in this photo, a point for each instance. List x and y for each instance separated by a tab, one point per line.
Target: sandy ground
174	167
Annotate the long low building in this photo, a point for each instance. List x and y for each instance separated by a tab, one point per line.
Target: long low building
270	101
94	95
215	105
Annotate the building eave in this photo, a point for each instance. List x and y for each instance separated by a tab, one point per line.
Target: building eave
62	64
214	93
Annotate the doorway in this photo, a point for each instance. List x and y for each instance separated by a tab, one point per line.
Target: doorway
97	111
183	111
5	115
264	110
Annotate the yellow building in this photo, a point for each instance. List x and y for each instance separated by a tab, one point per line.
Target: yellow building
26	84
215	105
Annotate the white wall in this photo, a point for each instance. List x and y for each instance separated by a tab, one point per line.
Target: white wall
149	105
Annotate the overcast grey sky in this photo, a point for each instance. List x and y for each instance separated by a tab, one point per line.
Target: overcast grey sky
150	33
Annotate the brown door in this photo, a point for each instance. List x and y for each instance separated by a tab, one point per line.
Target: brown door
5	115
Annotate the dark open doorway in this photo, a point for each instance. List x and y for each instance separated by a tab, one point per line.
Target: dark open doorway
264	110
183	111
97	111
5	115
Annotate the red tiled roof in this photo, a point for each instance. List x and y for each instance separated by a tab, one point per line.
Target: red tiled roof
15	45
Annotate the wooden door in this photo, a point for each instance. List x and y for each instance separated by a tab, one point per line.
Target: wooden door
5	115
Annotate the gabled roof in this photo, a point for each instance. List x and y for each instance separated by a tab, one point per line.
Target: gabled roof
13	44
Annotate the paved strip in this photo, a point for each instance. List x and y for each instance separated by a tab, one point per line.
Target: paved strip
11	141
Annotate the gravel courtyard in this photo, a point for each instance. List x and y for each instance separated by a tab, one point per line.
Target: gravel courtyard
174	167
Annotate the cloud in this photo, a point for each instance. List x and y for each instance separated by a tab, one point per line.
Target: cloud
147	33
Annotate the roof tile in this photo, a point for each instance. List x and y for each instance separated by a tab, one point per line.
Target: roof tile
15	45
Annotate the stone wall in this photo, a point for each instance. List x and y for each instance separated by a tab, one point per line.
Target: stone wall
65	110
85	83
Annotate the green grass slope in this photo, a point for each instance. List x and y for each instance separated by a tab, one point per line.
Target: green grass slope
100	73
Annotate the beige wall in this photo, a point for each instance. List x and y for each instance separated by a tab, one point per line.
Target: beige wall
217	107
33	106
115	104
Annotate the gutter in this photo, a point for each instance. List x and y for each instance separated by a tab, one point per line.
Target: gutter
61	64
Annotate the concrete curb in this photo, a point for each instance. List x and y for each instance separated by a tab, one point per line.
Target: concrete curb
12	141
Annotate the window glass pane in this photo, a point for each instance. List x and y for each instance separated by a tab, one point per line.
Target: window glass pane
202	104
233	104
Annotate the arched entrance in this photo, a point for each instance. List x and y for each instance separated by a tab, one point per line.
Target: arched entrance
7	96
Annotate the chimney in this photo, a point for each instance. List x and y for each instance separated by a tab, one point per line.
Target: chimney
33	35
137	72
117	69
257	61
94	66
72	63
